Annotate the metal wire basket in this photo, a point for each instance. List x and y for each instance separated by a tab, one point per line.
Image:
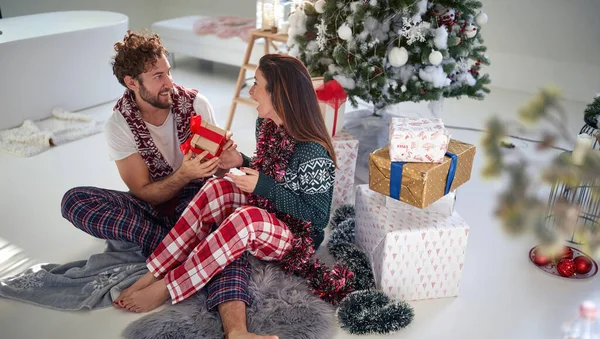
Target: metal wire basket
580	196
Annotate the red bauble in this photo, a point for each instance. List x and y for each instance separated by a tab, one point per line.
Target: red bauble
583	264
540	259
567	253
566	267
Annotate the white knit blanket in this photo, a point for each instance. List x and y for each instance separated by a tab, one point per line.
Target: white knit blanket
34	137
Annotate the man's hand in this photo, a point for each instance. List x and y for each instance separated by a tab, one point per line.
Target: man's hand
196	167
246	183
230	157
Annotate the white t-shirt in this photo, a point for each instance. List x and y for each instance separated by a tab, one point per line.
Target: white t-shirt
121	143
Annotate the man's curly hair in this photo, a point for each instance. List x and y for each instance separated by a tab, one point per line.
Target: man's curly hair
136	54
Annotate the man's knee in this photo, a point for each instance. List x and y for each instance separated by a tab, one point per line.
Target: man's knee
74	198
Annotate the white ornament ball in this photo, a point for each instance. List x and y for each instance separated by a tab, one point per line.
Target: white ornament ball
435	58
481	19
403	88
398	56
320	6
470	31
345	32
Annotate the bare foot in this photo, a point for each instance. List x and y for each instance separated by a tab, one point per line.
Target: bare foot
143	282
247	335
148	298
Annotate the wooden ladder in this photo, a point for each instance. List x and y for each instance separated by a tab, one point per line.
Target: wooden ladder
255	34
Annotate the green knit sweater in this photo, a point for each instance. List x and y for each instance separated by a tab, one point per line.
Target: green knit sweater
306	189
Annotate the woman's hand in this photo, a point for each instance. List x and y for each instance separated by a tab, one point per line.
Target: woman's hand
246	183
230	157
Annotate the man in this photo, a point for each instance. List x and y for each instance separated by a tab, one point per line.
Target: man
149	123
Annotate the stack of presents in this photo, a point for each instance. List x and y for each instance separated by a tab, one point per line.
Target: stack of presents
405	217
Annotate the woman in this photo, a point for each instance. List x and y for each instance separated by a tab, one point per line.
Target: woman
287	186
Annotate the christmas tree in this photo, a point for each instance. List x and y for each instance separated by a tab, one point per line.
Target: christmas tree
591	114
391	51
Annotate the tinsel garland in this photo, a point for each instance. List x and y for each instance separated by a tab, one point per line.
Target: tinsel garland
366	310
274	149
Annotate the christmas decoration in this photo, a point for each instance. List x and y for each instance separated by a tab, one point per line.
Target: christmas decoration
435	58
345	32
398	56
566	267
583	264
274	148
418	45
481	19
519	206
567	253
343	213
541	259
320	6
592	113
366	310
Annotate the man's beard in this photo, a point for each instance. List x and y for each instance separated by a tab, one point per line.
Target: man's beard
155	100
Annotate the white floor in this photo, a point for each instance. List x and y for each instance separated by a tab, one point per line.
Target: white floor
502	294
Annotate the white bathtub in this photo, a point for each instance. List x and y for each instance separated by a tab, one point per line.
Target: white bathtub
57	59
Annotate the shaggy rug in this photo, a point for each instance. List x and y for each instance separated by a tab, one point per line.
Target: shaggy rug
283	306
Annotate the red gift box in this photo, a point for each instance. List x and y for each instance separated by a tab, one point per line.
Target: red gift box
205	137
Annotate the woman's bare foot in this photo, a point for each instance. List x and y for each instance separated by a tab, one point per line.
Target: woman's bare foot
143	282
247	335
148	298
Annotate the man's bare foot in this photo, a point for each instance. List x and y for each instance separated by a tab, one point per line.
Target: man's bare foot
247	335
143	282
148	298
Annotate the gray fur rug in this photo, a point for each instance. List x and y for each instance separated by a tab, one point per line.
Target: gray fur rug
283	306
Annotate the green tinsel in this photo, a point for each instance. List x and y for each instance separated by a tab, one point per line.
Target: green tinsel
592	113
342	213
366	310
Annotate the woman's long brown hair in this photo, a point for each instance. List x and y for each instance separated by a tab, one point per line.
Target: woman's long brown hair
294	99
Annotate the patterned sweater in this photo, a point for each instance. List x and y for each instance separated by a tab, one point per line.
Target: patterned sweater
306	190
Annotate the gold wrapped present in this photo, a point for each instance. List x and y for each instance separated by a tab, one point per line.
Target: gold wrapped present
421	184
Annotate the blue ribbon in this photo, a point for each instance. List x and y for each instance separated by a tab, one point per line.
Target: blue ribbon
451	172
396	176
396	179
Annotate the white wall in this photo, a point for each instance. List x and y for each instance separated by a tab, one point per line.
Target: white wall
531	42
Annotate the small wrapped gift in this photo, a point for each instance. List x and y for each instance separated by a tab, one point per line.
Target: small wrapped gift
345	146
418	183
414	254
418	140
205	137
332	101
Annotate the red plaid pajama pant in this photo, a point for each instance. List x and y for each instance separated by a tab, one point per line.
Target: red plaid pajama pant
190	255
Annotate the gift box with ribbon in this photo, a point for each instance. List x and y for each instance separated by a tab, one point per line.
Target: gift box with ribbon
205	137
418	140
419	183
332	102
345	146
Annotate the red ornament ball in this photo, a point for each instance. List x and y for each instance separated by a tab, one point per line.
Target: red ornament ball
566	267
583	264
540	259
567	253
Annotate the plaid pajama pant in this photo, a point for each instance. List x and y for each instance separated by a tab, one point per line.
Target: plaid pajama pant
193	252
115	215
